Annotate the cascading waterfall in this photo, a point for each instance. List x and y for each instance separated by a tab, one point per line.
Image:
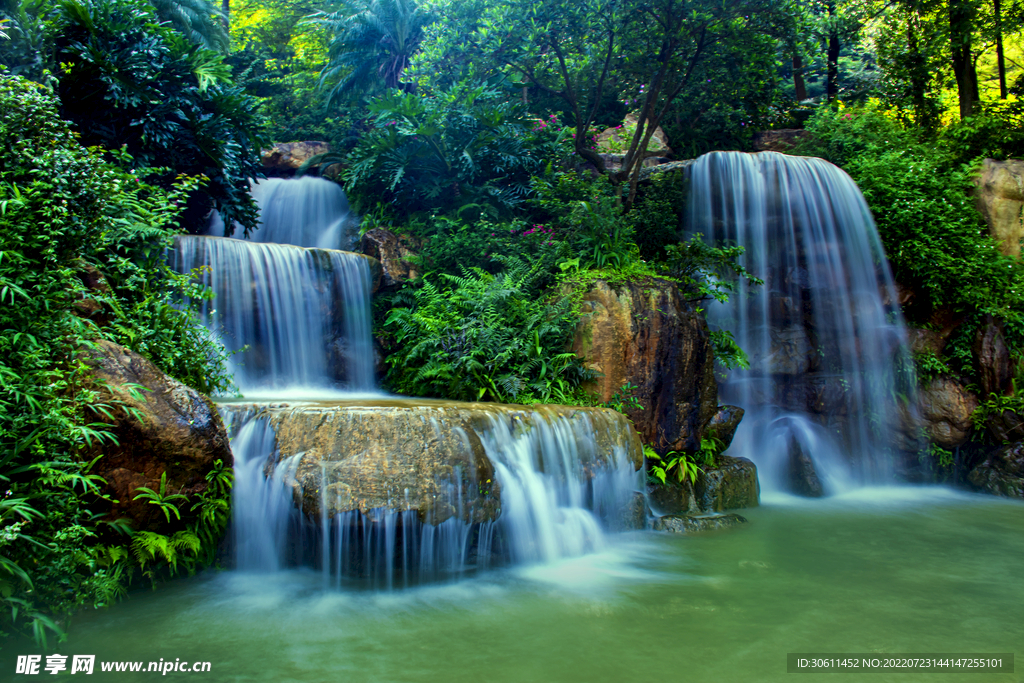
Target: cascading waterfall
303	314
824	335
306	212
558	495
297	312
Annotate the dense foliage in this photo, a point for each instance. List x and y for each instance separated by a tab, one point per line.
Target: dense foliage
66	214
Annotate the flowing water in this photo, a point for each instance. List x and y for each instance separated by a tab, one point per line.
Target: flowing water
296	319
558	492
824	335
886	571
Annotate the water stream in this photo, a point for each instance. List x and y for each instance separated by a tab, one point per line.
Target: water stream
883	570
824	335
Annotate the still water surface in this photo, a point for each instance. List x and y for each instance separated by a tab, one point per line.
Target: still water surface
880	570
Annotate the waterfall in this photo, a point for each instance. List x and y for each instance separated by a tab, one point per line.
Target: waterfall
306	212
559	490
829	363
335	484
301	315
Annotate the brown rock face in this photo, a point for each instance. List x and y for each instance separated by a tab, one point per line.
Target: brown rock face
1002	473
394	253
643	333
427	456
999	196
180	433
285	158
946	409
995	369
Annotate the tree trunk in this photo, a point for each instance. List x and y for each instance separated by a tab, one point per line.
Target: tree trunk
1000	62
225	7
918	71
832	87
798	76
961	17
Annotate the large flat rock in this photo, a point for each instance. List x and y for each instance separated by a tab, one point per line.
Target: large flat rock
435	457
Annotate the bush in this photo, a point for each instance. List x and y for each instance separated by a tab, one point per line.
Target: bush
65	213
484	337
464	147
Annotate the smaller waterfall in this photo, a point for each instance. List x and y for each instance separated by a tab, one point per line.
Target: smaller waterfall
558	497
830	371
301	315
305	212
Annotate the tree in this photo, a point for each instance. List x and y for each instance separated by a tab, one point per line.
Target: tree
578	52
128	82
962	15
198	20
372	45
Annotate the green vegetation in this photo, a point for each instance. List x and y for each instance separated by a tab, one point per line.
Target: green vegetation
469	128
67	214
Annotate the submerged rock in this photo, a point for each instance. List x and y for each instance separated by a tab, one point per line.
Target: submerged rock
171	428
696	524
730	485
645	334
1002	473
428	456
803	478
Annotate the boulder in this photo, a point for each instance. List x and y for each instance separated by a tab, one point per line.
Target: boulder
945	411
730	485
999	196
803	478
697	524
285	158
672	498
643	333
1002	473
395	254
427	456
723	425
161	426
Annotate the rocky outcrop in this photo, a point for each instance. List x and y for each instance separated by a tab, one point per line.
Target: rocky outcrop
396	255
161	427
945	410
1002	473
427	456
697	524
999	196
730	485
285	158
782	140
643	333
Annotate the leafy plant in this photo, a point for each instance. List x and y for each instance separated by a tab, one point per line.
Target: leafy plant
483	336
681	464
